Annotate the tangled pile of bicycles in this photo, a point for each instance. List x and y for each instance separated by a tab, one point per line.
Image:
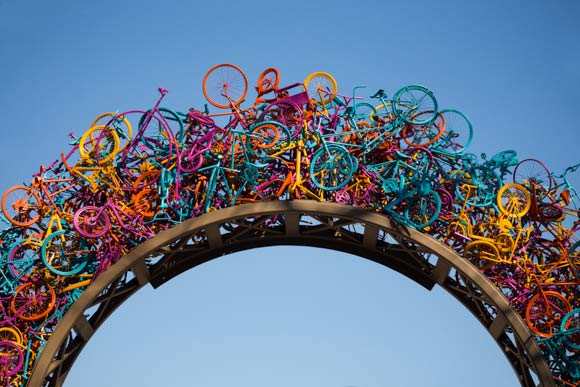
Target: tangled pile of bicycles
135	173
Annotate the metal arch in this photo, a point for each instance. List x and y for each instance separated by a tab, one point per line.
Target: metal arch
299	222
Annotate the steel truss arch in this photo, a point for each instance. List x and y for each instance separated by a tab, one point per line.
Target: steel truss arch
299	222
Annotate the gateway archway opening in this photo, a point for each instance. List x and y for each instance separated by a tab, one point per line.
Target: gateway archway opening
290	316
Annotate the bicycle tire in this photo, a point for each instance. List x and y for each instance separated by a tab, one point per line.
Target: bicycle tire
458	133
268	81
225	79
33	301
121	125
64	254
148	179
11	359
99	145
550	212
11	334
267	138
91	222
191	159
424	134
545	311
482	254
574	259
571	322
415	105
321	87
447	203
286	113
535	172
168	127
422	210
21	259
364	111
513	200
157	134
21	206
263	136
504	242
145	203
285	137
331	168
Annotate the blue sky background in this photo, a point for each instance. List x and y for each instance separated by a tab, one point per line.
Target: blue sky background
290	316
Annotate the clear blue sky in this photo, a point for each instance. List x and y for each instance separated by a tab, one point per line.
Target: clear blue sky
290	317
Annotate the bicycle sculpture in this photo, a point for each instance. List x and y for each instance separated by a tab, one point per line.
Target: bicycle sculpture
135	173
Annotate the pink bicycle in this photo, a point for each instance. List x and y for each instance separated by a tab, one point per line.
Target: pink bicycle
94	222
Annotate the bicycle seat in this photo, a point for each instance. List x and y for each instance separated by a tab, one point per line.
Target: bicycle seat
379	94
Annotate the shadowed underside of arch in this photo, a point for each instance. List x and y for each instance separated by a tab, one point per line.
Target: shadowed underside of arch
300	222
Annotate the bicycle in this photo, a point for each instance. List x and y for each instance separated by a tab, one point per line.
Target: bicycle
24	206
160	131
407	180
93	222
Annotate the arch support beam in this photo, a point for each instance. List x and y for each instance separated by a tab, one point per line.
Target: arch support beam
299	222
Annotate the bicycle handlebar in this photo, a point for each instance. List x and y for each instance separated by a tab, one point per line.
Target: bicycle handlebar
573	168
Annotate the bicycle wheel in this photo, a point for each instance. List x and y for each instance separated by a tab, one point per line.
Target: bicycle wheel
504	242
33	301
64	254
119	123
99	145
146	203
191	159
570	327
549	212
482	254
263	136
415	105
11	358
268	138
268	81
21	206
22	257
574	260
10	334
159	134
513	200
458	133
423	209
148	179
286	113
331	168
424	134
321	87
364	111
545	311
225	84
446	203
91	222
166	126
533	172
